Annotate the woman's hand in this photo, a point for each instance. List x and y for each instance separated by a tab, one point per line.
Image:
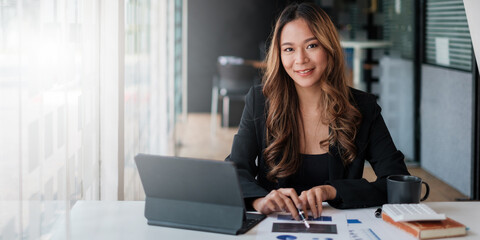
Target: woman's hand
283	199
314	197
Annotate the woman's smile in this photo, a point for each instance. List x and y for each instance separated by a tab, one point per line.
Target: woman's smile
305	72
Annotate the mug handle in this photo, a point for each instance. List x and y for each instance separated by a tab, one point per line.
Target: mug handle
426	193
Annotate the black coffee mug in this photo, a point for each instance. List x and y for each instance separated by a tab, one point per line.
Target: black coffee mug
405	189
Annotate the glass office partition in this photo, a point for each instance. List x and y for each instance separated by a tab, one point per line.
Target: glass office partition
153	87
178	56
397	75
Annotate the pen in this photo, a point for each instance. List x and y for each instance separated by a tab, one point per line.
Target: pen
300	212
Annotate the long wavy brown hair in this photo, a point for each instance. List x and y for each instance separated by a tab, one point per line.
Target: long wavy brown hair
283	126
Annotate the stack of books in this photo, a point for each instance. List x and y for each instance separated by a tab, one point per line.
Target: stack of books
427	229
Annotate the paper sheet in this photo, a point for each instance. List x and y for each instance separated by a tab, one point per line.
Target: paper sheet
332	226
363	225
442	51
354	224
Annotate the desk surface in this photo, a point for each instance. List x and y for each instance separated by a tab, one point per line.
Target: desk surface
125	220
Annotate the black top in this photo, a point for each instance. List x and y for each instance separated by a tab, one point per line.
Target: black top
313	171
373	142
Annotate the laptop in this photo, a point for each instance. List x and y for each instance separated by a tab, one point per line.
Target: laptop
194	194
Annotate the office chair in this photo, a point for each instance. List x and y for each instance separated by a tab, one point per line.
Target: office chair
232	83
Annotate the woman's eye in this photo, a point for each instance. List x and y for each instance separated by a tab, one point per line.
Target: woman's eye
312	45
288	49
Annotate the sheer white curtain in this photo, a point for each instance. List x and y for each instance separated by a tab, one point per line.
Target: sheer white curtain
78	99
111	99
49	94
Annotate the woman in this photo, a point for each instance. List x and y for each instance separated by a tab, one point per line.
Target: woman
304	135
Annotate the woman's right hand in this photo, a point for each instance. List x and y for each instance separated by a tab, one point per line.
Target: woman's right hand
283	199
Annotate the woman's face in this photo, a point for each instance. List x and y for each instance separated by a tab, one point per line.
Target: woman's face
302	56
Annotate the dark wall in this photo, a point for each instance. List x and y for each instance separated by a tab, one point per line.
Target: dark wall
223	27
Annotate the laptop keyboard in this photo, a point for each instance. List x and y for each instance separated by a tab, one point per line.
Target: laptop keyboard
251	220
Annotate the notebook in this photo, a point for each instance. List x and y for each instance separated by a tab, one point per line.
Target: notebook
194	194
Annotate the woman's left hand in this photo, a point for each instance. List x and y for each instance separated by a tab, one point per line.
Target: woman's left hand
314	197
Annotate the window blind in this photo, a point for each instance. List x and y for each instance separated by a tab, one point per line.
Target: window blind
447	38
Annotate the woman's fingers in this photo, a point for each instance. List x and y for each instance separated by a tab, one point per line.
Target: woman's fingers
289	206
272	202
263	205
314	198
311	198
286	199
278	200
292	194
319	197
292	200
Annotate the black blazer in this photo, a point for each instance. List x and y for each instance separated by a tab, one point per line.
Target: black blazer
373	142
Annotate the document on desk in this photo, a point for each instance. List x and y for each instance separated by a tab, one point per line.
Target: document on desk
363	225
354	224
331	225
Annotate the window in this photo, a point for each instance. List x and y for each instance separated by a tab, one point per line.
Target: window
447	38
80	94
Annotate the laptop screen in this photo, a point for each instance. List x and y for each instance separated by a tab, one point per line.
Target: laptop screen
189	179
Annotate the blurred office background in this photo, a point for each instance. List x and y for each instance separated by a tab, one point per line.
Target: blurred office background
85	85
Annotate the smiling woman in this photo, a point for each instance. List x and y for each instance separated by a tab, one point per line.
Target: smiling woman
302	56
305	135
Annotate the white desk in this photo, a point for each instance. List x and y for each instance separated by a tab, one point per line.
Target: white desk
125	220
358	47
